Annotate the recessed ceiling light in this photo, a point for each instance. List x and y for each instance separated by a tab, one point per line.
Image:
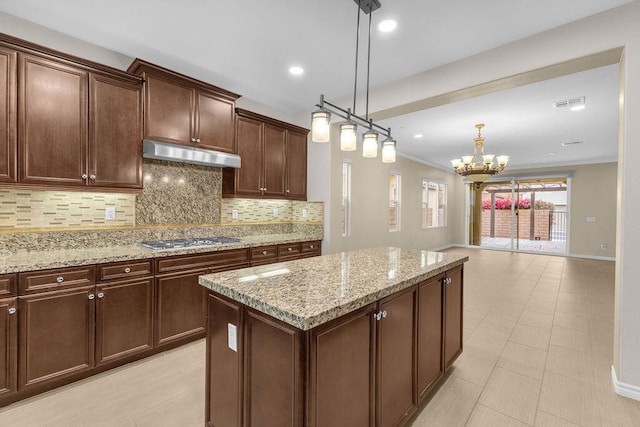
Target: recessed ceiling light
387	25
296	71
418	135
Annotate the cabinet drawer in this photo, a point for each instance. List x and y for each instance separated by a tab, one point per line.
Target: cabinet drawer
289	251
216	260
264	254
124	270
50	280
8	285
310	248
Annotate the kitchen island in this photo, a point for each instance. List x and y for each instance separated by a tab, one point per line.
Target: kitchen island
348	339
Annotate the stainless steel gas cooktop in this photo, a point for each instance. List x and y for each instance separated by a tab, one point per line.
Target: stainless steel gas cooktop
194	242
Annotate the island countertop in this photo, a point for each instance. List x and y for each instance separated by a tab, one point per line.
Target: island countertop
309	292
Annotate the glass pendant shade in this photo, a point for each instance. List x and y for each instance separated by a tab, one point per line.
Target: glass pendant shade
389	151
467	160
502	160
456	163
348	136
488	159
370	144
320	128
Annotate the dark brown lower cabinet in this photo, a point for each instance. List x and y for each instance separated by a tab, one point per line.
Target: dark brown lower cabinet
124	319
56	336
8	346
430	366
452	304
180	307
341	371
396	359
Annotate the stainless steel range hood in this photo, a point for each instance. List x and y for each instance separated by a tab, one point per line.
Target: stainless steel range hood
178	153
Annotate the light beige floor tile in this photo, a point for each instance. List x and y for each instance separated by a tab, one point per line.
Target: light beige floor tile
571	307
536	319
569	399
544	296
530	336
450	406
500	321
474	365
511	394
488	339
571	338
547	420
572	321
523	360
571	363
487	417
541	306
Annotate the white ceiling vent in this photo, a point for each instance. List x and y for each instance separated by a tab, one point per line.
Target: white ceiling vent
569	103
567	144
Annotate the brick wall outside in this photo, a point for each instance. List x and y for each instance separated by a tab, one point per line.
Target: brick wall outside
503	223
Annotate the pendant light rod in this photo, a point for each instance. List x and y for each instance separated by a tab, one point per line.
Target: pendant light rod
349	115
368	67
355	79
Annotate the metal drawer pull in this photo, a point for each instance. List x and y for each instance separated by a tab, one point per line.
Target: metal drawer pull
100	294
12	310
91	296
60	279
289	249
264	252
311	246
92	177
127	270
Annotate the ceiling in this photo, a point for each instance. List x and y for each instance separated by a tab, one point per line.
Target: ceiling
247	46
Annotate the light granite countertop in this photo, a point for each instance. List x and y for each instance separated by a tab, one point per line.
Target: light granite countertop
308	292
24	260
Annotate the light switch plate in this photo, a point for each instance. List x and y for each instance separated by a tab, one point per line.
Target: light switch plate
110	214
232	337
304	213
275	212
234	214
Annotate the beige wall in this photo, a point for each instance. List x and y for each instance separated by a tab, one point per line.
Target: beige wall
370	204
593	194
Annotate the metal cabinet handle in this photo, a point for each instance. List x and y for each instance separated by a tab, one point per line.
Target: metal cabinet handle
127	270
193	140
100	294
92	177
264	252
311	246
384	313
289	249
12	310
59	279
91	296
265	188
84	176
288	191
197	140
377	316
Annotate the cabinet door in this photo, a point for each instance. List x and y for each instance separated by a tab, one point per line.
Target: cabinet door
452	316
180	307
52	122
273	360
8	346
168	110
124	319
248	179
296	166
343	351
115	133
395	387
274	161
214	122
430	367
56	337
8	141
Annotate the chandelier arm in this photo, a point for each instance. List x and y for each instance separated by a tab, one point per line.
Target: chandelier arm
355	78
342	113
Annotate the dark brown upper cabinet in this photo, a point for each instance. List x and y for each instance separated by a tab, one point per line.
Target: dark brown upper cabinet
274	159
67	122
8	141
185	111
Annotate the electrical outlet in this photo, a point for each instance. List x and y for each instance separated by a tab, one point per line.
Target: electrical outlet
603	246
275	212
234	214
304	213
110	214
591	219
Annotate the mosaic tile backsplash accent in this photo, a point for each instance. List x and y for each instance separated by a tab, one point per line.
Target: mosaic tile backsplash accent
179	193
261	211
63	209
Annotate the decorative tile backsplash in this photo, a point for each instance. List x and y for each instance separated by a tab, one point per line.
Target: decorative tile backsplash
250	211
63	209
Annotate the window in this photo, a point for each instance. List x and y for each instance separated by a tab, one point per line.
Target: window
394	201
346	197
434	202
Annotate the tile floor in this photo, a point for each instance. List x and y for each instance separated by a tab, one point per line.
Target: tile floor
538	350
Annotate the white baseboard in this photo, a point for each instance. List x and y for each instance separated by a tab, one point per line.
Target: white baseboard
626	390
603	258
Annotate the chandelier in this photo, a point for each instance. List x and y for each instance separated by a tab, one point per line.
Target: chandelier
479	167
321	118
